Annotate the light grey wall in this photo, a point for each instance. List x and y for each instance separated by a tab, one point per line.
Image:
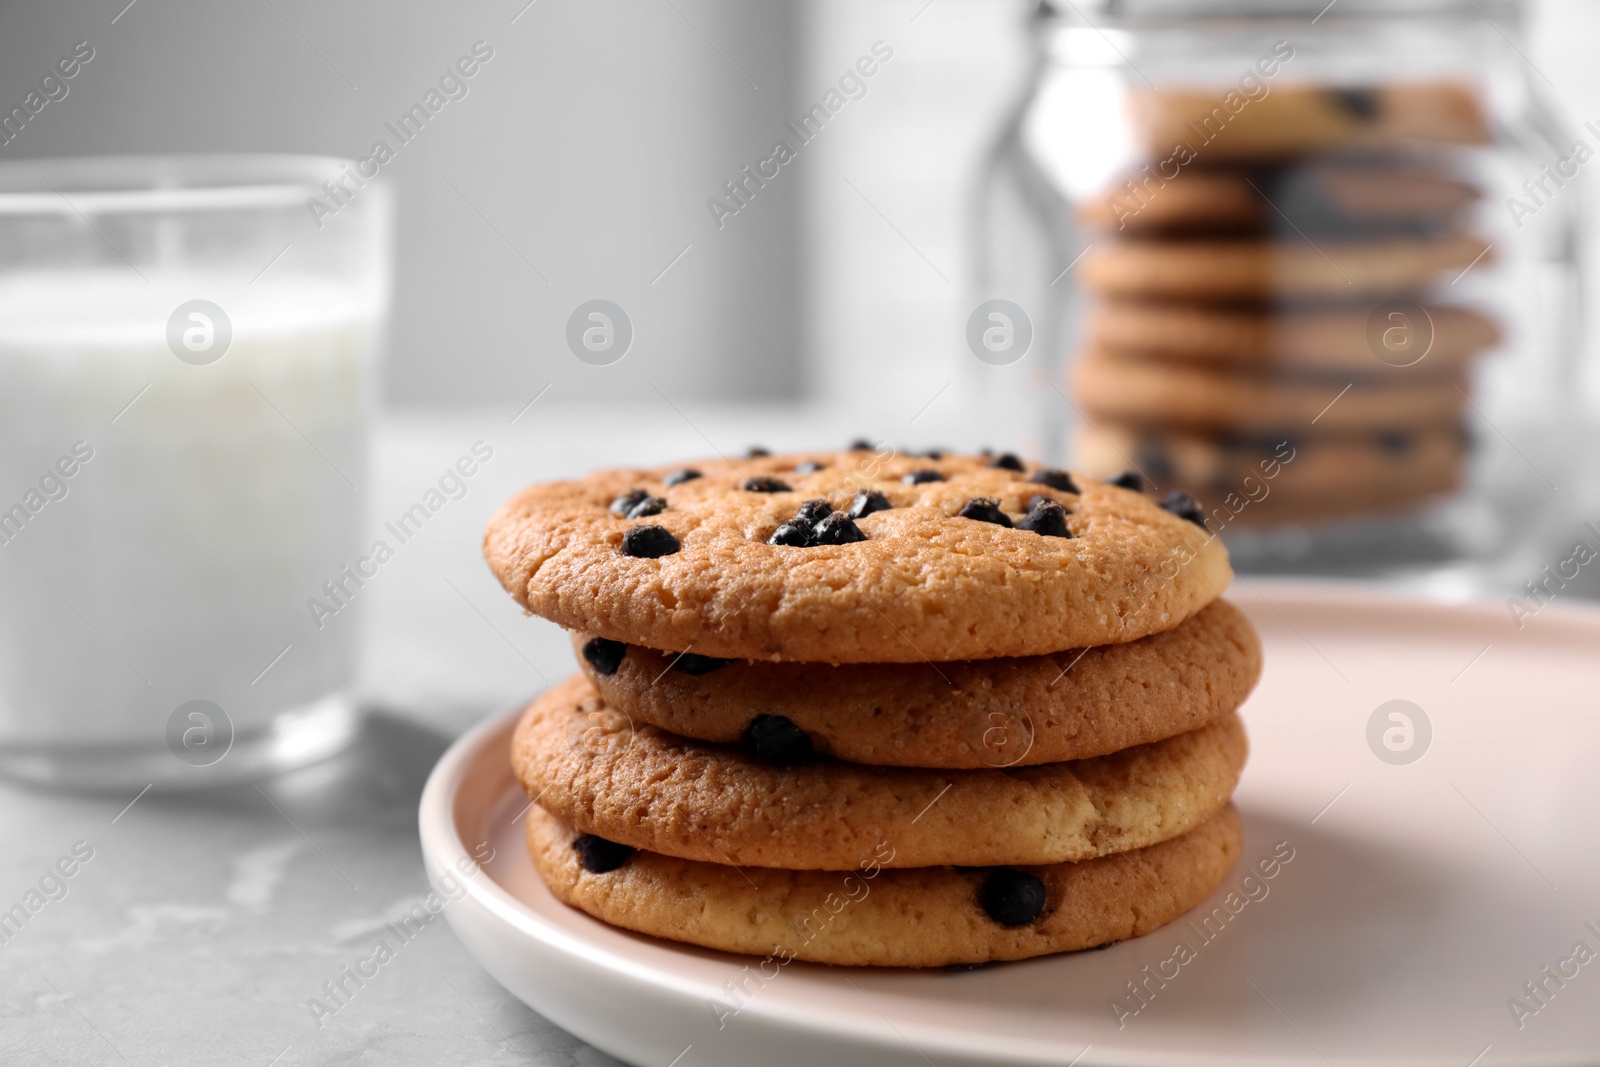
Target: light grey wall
590	144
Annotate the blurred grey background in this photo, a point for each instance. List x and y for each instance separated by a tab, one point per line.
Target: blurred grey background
580	164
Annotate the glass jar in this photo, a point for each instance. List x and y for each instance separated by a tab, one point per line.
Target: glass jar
1314	264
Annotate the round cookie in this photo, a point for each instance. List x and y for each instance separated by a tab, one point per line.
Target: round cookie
1294	464
923	582
1295	119
1303	479
1319	197
1259	269
588	765
919	917
1291	508
1150	393
1438	342
965	714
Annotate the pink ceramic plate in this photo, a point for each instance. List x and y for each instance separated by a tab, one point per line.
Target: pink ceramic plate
1444	872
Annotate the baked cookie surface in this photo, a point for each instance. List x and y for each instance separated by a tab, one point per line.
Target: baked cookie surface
1313	466
1295	119
1292	268
870	916
1296	478
1316	197
909	579
594	769
1148	392
1438	343
963	714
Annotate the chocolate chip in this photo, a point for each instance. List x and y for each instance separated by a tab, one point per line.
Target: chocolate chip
776	739
1055	479
650	505
866	502
649	542
1395	442
921	477
604	655
597	855
1007	461
1046	518
1012	897
1153	458
813	512
1184	506
861	444
800	531
1129	480
627	500
810	466
1302	197
756	452
838	529
934	453
792	534
1363	104
696	664
678	477
984	509
765	483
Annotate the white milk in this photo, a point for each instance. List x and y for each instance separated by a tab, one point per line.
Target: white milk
186	545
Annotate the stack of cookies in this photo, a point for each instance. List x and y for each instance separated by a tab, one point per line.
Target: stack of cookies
866	708
1263	298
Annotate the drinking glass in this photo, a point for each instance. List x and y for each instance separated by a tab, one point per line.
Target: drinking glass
186	357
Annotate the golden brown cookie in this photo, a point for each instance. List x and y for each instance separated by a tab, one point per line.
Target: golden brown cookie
1289	268
923	582
1436	342
1295	508
964	714
871	916
1295	478
1217	124
1170	396
1318	197
588	765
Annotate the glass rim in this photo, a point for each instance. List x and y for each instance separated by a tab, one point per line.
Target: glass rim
169	183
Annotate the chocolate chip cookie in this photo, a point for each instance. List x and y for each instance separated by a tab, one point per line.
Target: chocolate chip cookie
1289	268
869	915
853	557
1438	342
1185	397
962	714
1291	120
636	785
1319	197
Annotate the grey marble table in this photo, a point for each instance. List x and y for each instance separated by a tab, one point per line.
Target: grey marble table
201	927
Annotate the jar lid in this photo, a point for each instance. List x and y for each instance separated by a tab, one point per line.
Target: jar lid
1133	12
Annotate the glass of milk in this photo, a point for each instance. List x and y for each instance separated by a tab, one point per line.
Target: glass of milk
187	348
